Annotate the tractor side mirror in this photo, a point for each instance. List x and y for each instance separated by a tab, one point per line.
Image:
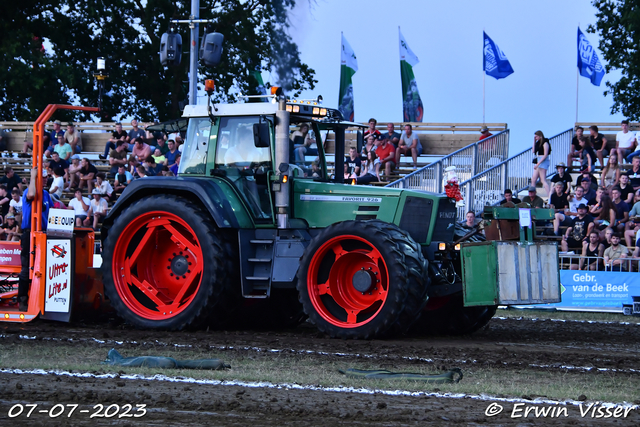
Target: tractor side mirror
360	141
261	135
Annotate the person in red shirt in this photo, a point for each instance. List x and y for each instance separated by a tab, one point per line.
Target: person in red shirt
386	153
372	129
484	133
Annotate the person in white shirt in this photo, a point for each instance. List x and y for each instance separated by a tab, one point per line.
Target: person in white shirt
103	185
566	218
98	209
625	141
80	206
58	182
16	201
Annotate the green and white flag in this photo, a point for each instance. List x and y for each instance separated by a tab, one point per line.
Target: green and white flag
260	87
411	103
348	67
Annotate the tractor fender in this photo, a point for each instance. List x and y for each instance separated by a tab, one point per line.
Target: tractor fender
204	192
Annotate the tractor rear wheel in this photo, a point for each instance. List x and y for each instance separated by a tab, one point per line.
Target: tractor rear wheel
165	265
362	279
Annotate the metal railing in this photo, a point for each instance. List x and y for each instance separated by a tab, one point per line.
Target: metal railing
469	161
573	261
487	188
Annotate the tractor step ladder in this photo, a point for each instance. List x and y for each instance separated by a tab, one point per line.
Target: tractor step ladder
256	261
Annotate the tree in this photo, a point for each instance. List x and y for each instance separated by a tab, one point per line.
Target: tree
618	27
127	34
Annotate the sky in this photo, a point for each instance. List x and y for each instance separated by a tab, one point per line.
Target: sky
539	39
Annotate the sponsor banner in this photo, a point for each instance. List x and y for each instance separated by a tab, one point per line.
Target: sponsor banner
57	296
61	221
10	254
308	197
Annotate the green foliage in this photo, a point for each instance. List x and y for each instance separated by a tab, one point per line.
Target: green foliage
618	27
127	33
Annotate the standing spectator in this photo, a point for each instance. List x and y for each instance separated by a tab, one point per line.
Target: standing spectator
599	143
626	189
392	135
579	230
172	153
575	151
542	149
117	136
533	199
87	174
563	177
592	251
625	141
117	157
611	173
80	206
386	154
10	180
614	255
102	185
372	129
634	173
371	170
97	210
508	198
58	182
123	178
73	139
135	133
369	146
484	133
352	164
560	202
409	143
63	149
622	209
141	150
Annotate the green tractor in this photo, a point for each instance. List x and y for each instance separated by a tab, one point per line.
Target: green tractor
247	225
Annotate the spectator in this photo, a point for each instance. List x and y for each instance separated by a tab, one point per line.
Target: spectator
614	255
625	141
97	210
123	178
606	214
117	136
4	201
588	157
533	199
541	148
584	173
163	147
371	170
563	177
315	170
484	133
106	190
28	145
409	143
592	252
611	173
87	174
117	157
11	229
135	133
173	152
303	143
595	204
63	148
580	228
392	135
470	220
606	239
372	129
74	171
560	202
634	173
622	209
150	166
599	143
589	192
80	206
352	164
56	162
632	227
158	157
176	166
386	154
73	139
58	182
566	218
626	189
142	172
53	137
369	146
508	198
11	180
16	201
575	150
57	204
141	150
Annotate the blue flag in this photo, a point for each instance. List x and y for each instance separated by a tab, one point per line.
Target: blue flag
588	62
495	62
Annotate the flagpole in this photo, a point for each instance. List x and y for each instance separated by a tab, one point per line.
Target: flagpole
577	85
483	80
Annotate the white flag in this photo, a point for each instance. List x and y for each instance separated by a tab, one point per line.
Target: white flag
406	54
348	57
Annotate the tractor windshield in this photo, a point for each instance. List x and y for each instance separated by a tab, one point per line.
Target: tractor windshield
306	149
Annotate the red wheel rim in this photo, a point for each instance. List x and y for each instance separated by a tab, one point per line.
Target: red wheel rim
330	281
157	265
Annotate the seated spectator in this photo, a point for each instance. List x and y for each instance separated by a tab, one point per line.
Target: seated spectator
57	203
58	182
63	148
626	189
409	143
369	146
386	154
159	158
634	173
117	158
625	141
352	164
580	228
622	209
392	135
615	254
589	192
141	150
484	133
161	145
80	206
10	230
563	177
470	220
16	201
508	198
10	180
150	166
173	152
303	144
371	170
560	202
566	218
599	143
74	172
117	136
632	231
604	213
611	172
588	158
123	178
5	201
73	139
372	129
584	173
87	174
575	150
53	138
135	133
595	205
592	252
174	168
97	210
47	146
106	190
141	171
533	199
314	169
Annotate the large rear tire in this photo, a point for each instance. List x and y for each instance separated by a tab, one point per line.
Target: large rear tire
165	265
361	280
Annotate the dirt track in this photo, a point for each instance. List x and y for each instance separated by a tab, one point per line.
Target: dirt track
542	345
